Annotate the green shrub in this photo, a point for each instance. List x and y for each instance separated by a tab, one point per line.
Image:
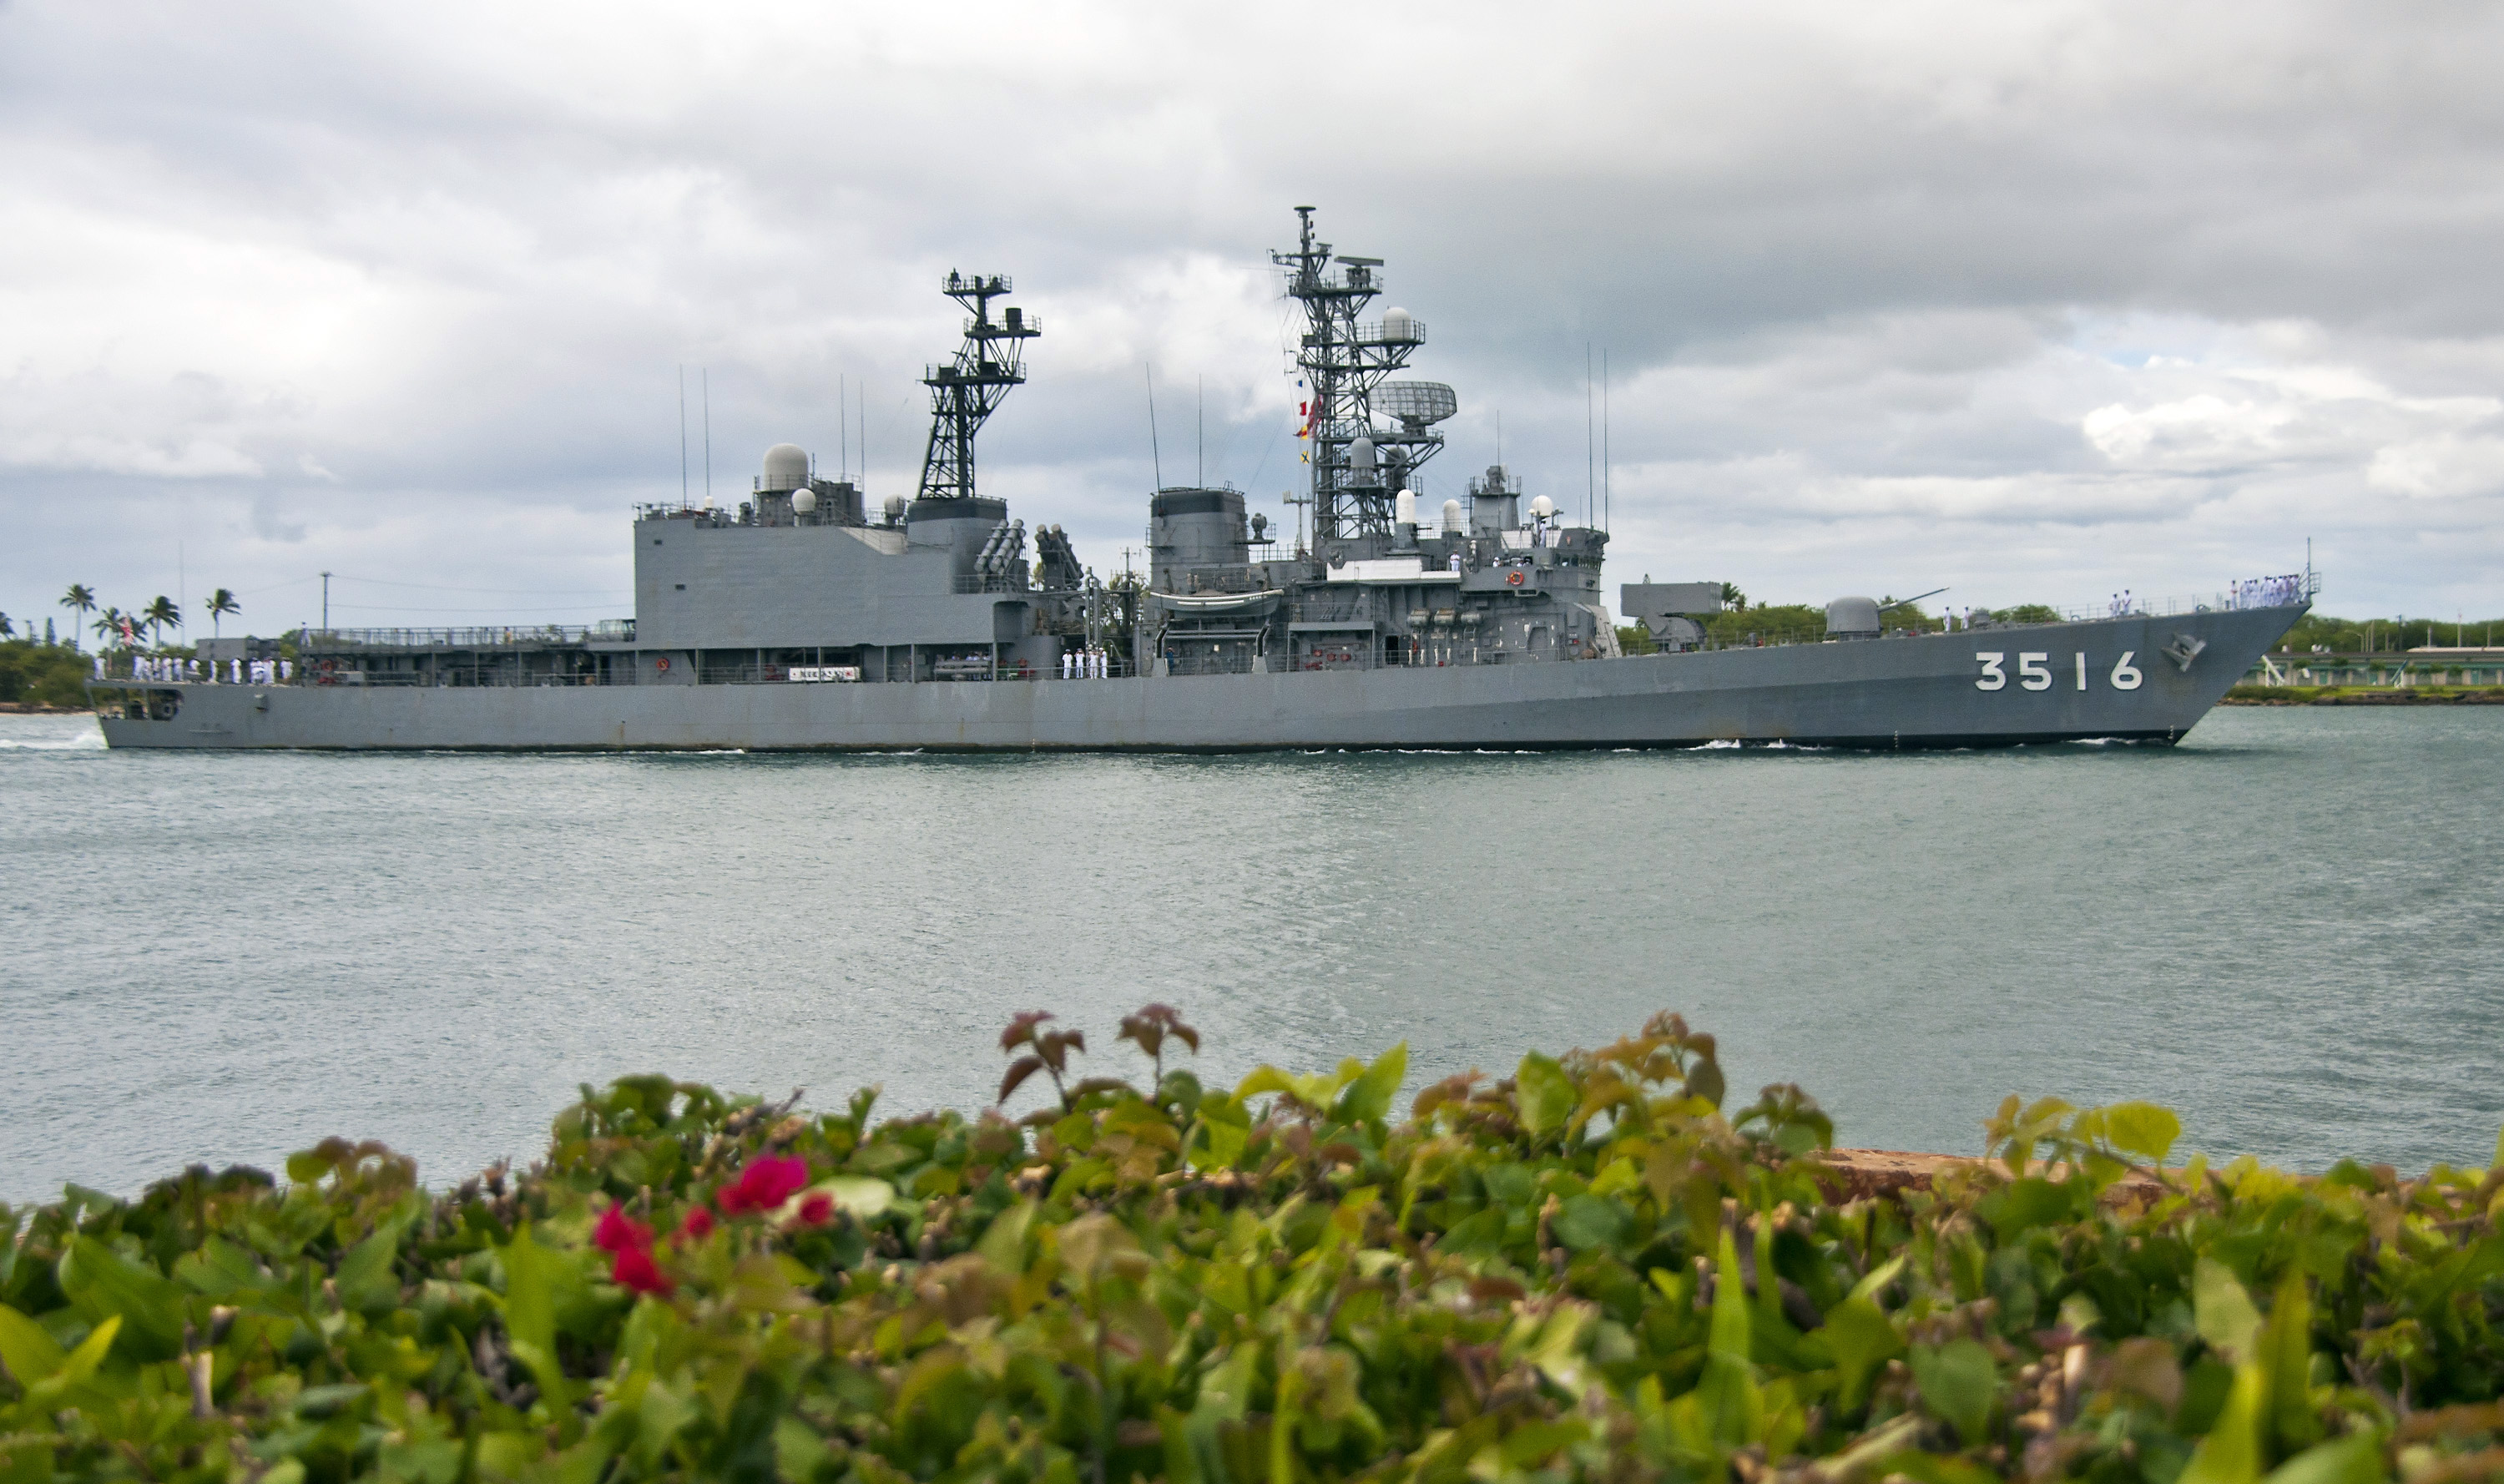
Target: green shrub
1584	1270
46	674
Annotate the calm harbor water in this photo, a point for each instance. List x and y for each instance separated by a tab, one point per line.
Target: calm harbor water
2287	928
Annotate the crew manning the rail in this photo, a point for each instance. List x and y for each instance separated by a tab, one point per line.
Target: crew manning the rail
170	670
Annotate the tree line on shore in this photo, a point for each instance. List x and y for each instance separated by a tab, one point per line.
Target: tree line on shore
49	668
1798	623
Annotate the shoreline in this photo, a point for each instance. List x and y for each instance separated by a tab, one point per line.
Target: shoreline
2363	694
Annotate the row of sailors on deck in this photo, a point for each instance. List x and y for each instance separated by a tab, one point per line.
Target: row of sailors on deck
1085	665
168	669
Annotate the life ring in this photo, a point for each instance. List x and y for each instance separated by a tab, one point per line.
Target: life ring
1514	579
662	665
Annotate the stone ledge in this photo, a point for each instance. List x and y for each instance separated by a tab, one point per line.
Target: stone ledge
1866	1173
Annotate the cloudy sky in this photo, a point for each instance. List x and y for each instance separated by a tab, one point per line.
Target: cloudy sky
2030	302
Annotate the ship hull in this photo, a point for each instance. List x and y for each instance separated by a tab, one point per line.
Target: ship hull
1925	692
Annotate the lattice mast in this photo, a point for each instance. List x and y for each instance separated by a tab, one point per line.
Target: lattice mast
1344	359
966	389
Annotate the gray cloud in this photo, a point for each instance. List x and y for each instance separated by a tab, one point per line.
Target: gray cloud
2041	301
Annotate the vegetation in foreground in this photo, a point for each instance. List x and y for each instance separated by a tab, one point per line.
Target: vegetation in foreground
1584	1271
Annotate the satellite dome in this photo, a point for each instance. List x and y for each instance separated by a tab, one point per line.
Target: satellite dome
1399	327
1360	454
1451	515
1542	507
804	499
786	467
1403	507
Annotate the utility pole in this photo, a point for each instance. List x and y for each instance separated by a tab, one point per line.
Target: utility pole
326	603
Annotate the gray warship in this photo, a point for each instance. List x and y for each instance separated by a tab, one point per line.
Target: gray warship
806	620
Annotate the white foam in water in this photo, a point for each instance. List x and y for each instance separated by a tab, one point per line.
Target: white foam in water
88	741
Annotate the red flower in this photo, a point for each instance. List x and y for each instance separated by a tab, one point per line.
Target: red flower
816	1208
620	1233
635	1270
763	1184
698	1225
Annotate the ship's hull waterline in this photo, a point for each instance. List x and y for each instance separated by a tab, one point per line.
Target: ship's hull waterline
2108	679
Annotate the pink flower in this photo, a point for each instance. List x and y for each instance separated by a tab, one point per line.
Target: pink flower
763	1184
816	1208
620	1233
635	1270
698	1224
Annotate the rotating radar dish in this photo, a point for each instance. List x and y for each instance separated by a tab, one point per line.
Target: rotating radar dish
1417	403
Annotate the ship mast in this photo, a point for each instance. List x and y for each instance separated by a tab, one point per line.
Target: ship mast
969	388
1357	467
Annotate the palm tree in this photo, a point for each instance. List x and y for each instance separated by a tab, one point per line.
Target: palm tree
221	604
9	630
158	615
80	600
108	626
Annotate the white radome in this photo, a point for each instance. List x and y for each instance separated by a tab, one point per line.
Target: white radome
1542	507
804	499
786	467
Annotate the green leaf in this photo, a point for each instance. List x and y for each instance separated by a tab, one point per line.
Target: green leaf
219	1270
30	1353
1544	1092
2022	1205
1477	1235
1733	1405
1003	1245
531	1278
1928	1468
1223	1128
1860	1337
1731	1325
81	1363
101	1282
2231	1453
862	1196
1957	1382
1368	1098
1590	1221
2142	1128
366	1282
2357	1459
1877	1278
2287	1354
2227	1320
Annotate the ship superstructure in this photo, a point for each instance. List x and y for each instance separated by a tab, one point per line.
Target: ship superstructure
807	618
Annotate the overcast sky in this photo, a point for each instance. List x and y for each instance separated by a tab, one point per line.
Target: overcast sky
2034	303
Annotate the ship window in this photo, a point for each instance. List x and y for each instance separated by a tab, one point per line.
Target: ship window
656	540
682	587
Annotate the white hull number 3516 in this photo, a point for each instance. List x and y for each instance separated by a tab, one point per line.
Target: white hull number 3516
2035	671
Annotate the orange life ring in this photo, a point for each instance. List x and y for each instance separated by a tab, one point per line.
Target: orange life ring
663	665
1514	577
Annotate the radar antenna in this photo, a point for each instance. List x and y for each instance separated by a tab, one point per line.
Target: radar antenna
969	388
1358	470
